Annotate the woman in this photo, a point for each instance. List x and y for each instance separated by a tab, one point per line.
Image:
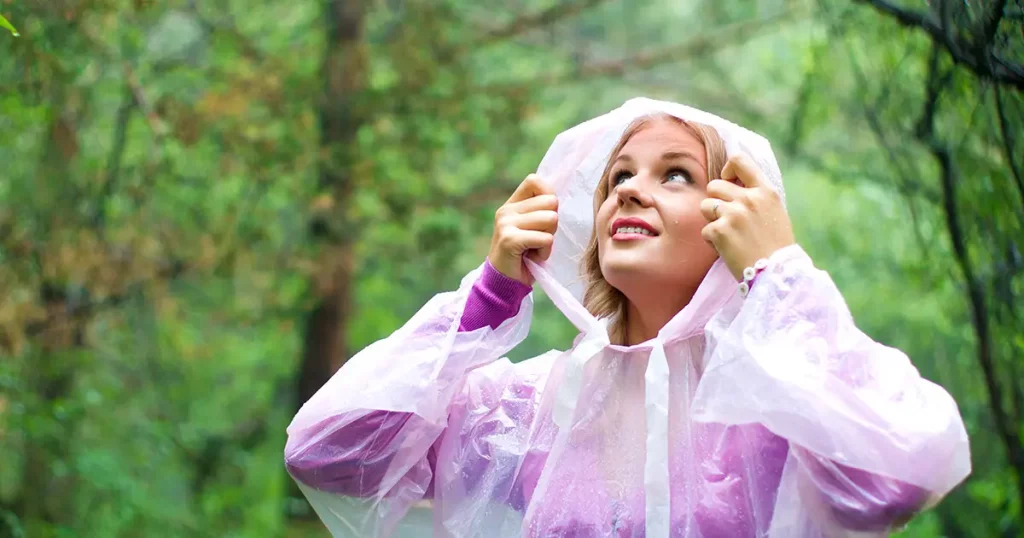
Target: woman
718	388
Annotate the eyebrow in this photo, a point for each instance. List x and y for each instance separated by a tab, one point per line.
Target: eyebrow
621	157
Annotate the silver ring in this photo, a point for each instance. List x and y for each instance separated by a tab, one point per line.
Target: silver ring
714	209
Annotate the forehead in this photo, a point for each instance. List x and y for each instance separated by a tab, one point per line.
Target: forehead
663	135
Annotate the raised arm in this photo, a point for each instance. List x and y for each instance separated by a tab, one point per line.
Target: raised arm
349	453
874	441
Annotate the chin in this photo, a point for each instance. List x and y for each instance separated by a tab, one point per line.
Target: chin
624	270
637	273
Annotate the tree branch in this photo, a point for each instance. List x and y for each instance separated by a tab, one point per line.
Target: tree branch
206	460
534	21
704	44
78	310
1009	144
157	124
936	84
227	27
925	133
124	113
980	58
726	91
906	185
992	20
447	56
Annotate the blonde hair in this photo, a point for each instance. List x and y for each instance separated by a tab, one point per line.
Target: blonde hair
600	297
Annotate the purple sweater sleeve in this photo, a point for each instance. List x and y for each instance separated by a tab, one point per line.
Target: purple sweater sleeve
353	459
343	461
858	500
493	299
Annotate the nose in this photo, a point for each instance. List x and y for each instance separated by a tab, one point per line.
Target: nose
633	190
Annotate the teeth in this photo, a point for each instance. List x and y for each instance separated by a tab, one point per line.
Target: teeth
632	230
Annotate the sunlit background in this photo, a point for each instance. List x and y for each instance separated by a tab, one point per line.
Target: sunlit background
205	207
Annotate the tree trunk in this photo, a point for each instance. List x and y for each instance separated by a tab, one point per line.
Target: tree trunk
40	504
344	74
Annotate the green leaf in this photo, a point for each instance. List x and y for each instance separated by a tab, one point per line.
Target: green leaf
6	24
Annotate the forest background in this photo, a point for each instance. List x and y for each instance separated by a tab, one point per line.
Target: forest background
205	207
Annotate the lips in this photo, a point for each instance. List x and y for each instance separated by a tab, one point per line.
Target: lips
632	226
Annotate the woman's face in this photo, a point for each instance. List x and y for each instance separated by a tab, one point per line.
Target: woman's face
648	228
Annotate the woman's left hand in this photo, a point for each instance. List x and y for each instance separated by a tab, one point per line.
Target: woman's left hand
747	219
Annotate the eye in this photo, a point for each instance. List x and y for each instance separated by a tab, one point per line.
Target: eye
619	177
678	174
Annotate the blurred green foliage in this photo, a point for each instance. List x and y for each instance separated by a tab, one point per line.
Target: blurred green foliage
164	171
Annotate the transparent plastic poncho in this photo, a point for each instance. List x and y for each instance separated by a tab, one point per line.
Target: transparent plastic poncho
771	415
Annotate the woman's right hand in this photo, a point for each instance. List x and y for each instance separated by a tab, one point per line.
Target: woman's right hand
524	225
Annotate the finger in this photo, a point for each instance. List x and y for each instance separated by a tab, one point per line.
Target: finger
543	202
724	190
713	208
542	221
540	254
743	168
534	240
712	233
532	186
513	242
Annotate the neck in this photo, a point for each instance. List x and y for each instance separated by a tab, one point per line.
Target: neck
644	318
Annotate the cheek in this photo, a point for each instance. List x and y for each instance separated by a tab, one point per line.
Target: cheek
685	219
602	219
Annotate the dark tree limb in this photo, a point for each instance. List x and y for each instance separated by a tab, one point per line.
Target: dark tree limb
978	57
925	133
992	20
1009	144
124	113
